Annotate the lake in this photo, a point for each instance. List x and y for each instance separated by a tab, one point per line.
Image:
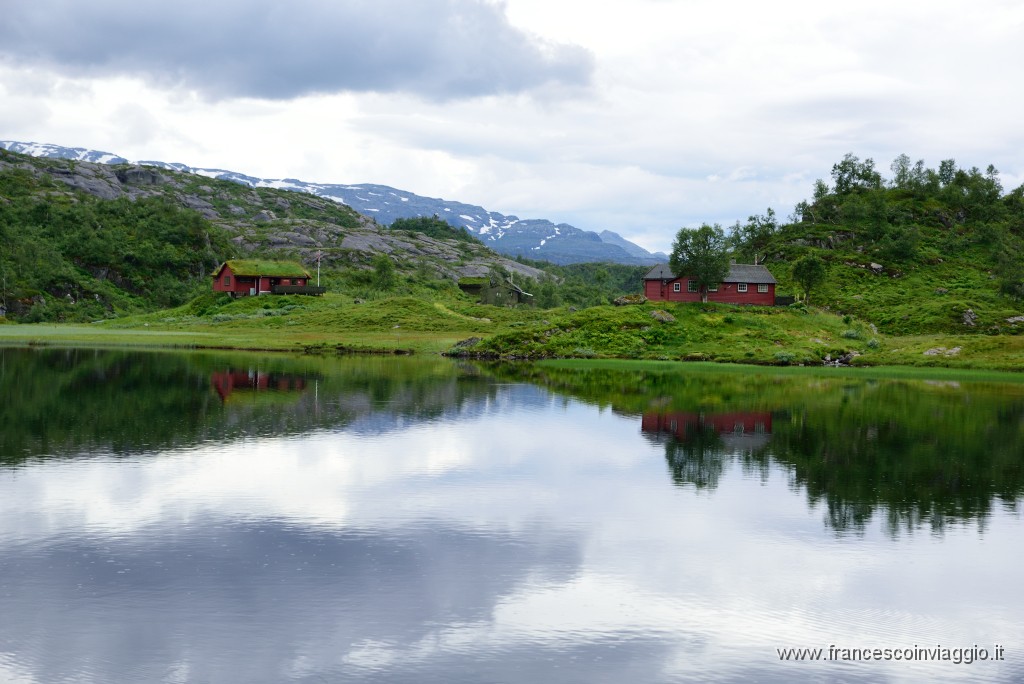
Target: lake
201	517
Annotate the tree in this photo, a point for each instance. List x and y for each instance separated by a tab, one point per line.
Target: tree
852	174
383	272
809	272
901	172
752	238
702	255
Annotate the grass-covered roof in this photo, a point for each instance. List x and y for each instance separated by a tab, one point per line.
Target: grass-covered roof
264	267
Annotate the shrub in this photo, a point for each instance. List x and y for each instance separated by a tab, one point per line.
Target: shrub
784	358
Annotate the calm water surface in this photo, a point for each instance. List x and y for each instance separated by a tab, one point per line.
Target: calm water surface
225	518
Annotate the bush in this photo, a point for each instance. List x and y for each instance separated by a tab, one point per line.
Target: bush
784	358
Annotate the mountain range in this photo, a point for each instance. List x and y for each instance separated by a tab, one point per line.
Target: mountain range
506	234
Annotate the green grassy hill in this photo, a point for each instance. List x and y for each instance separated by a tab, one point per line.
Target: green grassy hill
925	252
84	242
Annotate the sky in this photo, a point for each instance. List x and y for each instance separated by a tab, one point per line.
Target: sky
637	116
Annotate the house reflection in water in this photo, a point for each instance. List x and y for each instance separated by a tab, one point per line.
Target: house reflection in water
745	431
232	381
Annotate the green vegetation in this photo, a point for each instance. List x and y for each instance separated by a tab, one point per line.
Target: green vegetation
80	258
266	267
703	255
926	252
434	227
692	332
809	271
582	285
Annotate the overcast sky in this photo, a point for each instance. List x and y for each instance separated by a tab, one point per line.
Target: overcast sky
639	116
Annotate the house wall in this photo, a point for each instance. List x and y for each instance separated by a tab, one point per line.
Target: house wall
727	293
228	282
663	292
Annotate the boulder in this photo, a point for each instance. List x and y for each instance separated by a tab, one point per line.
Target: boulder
627	300
663	316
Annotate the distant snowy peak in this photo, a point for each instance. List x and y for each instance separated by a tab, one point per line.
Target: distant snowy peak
58	152
506	234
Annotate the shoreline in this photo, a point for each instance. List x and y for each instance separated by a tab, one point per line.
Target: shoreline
56	336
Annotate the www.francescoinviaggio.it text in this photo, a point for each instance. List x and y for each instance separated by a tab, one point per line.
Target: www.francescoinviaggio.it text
938	653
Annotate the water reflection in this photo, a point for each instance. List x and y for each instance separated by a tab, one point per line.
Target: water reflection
407	521
73	401
252	382
224	600
918	453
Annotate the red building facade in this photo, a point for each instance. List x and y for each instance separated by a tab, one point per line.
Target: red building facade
745	284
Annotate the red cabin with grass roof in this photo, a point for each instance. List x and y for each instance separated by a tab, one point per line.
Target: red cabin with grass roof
245	277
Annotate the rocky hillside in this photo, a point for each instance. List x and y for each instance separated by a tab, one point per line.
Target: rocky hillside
84	240
533	238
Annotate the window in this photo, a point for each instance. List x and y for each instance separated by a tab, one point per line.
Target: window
691	285
762	288
741	287
712	288
676	287
227	281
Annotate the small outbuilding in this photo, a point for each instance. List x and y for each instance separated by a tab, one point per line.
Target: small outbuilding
745	284
247	277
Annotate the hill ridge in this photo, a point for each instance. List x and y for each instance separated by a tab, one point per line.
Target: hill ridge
538	239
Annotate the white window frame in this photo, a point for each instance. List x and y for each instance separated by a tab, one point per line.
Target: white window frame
712	288
741	287
691	285
676	287
762	288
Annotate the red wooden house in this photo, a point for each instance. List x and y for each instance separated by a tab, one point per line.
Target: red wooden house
243	277
745	284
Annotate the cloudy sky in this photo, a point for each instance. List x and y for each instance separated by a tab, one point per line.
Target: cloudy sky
639	116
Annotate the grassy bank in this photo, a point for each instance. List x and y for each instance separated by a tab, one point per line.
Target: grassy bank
289	323
718	369
732	334
666	332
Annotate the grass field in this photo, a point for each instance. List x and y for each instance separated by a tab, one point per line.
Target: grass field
667	332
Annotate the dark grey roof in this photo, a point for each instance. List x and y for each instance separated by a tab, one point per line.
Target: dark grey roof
660	272
738	273
749	273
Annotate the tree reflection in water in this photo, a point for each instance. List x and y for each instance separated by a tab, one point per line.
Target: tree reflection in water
920	453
